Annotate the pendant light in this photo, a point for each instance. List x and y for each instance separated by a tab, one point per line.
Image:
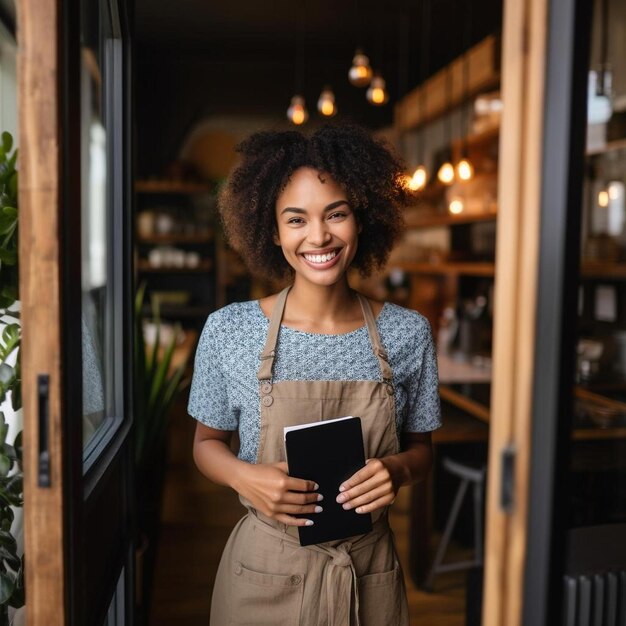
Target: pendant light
377	91
297	112
604	78
360	74
326	103
420	175
464	168
445	174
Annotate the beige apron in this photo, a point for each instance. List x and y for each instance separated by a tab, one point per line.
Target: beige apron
265	577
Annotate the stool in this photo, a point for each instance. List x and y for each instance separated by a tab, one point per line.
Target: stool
467	475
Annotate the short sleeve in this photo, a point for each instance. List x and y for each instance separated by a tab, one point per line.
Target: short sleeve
424	406
208	397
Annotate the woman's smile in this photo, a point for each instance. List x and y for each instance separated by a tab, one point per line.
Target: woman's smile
317	229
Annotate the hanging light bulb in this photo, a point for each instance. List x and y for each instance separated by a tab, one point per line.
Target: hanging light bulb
456	206
446	173
377	91
419	178
297	113
464	169
360	74
603	198
326	103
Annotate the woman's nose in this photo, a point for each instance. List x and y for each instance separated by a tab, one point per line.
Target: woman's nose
319	233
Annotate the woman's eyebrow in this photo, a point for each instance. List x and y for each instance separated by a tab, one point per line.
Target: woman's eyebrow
330	207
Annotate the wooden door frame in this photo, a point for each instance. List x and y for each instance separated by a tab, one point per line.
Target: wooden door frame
50	269
40	75
541	148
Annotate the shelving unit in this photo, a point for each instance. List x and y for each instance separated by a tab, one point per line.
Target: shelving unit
175	247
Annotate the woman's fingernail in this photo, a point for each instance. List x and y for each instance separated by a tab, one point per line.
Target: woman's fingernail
341	498
342	488
358	509
316	487
320	497
318	509
309	522
347	506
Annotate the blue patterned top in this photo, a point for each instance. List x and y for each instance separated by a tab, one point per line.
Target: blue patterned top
225	392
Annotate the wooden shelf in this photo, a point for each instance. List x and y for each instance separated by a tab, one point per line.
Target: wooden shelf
611	146
182	311
478	139
171	186
172	239
205	266
464	268
603	270
420	218
463	402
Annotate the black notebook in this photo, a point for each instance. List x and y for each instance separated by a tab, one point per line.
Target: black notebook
328	453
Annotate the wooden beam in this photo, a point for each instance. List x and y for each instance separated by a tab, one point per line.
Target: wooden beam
39	201
523	77
484	75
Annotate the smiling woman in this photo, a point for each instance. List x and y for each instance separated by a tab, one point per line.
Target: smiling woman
312	208
346	159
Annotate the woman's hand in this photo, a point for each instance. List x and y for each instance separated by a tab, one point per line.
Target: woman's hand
371	488
270	490
376	485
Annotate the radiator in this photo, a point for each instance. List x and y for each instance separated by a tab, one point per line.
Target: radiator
595	600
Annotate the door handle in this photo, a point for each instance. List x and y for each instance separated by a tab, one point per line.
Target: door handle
43	402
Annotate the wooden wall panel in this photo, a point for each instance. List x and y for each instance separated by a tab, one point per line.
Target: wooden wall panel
523	77
39	200
484	74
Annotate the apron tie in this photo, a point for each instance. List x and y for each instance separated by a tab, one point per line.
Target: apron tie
341	585
342	589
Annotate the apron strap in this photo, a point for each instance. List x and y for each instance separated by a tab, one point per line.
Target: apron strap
268	355
377	346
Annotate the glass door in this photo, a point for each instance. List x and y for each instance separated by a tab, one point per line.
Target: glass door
556	533
76	285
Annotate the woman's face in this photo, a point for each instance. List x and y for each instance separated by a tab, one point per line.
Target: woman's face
317	228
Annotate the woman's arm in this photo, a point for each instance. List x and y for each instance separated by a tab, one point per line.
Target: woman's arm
376	485
267	486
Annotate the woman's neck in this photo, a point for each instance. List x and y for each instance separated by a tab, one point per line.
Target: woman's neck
322	307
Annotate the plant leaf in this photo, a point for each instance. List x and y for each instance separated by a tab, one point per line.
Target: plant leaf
5	465
7	141
7	585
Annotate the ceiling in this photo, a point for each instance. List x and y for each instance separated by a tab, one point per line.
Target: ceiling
248	57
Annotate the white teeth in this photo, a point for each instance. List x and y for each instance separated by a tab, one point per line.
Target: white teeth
320	258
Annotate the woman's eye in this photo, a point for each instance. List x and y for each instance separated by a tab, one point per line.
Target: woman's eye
295	220
336	215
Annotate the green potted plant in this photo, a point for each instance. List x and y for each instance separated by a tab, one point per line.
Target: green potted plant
11	481
157	384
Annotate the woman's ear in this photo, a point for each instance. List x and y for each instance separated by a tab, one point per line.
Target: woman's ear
276	238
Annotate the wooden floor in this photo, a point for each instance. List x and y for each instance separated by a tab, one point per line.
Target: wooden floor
197	518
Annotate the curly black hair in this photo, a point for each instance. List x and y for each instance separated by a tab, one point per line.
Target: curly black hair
368	171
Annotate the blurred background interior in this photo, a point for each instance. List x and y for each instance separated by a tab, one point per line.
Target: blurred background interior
425	76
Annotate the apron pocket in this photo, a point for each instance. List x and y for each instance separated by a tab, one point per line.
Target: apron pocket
381	597
262	599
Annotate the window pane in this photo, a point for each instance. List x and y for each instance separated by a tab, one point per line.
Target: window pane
596	508
97	320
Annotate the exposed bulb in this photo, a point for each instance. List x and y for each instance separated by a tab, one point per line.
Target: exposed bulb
360	74
456	206
603	198
297	113
326	103
446	173
464	169
377	91
419	178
